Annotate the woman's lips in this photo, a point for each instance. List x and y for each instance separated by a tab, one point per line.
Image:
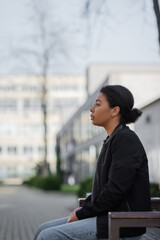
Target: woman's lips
92	117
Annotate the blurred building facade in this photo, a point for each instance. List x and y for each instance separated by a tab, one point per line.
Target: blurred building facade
148	130
21	120
78	140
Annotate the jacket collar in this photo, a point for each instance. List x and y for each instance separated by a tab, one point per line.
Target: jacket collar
119	127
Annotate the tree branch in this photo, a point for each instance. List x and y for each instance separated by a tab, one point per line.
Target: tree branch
157	13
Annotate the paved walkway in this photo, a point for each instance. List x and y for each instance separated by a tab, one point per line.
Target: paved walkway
22	210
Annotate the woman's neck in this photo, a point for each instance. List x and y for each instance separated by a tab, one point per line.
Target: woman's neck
110	128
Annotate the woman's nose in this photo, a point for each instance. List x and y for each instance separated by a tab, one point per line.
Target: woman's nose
92	109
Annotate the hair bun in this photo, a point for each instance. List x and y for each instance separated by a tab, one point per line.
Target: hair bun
132	116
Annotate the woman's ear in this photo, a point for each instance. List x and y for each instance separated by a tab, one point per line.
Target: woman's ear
116	111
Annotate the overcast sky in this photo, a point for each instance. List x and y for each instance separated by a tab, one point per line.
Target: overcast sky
124	31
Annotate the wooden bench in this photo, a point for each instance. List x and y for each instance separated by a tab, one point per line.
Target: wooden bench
151	220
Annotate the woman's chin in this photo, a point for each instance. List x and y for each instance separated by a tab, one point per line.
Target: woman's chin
94	123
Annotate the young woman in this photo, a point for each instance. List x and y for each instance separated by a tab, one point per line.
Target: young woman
121	181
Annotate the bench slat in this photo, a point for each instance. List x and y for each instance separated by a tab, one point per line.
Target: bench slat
134	215
131	219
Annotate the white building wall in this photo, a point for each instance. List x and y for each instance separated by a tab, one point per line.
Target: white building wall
148	130
21	122
142	80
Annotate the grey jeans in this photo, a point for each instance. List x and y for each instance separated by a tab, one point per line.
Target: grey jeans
61	230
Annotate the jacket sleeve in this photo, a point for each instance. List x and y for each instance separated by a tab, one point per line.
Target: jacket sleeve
86	201
124	164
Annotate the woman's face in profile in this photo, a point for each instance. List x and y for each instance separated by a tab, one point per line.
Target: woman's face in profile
101	112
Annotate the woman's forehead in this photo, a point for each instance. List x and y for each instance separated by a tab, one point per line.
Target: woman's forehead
101	97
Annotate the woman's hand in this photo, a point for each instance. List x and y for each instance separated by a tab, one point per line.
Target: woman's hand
72	216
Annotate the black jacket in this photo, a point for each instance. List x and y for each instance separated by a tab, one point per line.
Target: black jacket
121	181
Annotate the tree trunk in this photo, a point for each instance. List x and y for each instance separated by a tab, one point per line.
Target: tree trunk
45	169
157	13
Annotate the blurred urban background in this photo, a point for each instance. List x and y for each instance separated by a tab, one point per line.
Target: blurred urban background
55	56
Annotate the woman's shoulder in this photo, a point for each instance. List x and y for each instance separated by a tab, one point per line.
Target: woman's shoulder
126	134
126	140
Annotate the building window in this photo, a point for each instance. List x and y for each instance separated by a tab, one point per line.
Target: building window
8	105
32	105
27	150
40	149
12	150
32	88
7	88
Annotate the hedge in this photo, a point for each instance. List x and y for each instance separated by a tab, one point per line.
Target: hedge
85	186
155	190
51	182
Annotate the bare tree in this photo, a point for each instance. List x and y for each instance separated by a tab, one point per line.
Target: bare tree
49	40
157	14
39	51
94	13
95	8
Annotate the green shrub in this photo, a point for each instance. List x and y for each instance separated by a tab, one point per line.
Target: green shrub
85	186
154	189
28	182
65	188
51	182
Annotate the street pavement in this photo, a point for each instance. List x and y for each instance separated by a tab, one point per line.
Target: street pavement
23	209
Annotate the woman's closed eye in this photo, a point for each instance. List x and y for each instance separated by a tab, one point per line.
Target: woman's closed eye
97	104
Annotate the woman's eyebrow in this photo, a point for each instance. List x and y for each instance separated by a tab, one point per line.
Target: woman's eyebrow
98	100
